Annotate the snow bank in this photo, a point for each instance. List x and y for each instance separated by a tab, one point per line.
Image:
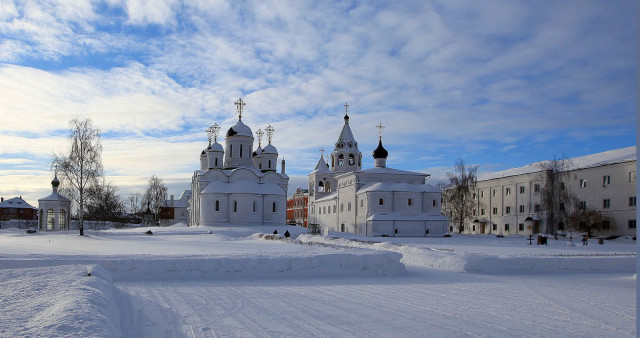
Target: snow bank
444	259
58	301
363	262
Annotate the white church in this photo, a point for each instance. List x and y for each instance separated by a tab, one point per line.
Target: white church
237	185
380	201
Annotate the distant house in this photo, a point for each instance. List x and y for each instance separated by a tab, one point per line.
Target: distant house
17	208
297	208
175	211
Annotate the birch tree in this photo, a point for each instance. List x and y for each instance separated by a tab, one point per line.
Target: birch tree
458	203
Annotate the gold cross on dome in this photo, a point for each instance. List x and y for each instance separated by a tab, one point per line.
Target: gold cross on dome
240	107
212	132
380	127
346	108
259	133
270	131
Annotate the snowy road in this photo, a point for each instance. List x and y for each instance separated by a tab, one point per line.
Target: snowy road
416	304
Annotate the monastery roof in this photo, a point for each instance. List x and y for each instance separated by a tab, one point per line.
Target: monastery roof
54	196
321	167
269	149
244	186
392	186
240	129
215	146
17	203
581	162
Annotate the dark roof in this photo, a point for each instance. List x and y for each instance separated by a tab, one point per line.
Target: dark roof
380	152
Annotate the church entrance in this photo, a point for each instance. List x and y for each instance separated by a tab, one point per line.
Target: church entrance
482	226
342	227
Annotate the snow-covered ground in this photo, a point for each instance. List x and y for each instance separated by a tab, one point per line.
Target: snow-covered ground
214	282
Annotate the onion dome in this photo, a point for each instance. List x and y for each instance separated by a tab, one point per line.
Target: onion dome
258	151
55	182
269	149
215	146
240	129
380	152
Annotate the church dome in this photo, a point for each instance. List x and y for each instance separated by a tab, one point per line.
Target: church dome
215	146
380	152
55	181
258	151
240	129
270	149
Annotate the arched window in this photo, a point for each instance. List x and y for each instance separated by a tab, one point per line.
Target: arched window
349	206
274	207
235	206
241	150
341	159
50	219
217	205
254	206
324	210
231	150
327	187
41	220
352	160
409	202
62	219
269	165
381	202
216	160
341	207
320	186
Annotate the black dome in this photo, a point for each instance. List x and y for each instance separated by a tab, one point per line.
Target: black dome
231	132
380	152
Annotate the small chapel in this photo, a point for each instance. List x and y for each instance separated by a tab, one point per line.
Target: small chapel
237	184
54	210
379	201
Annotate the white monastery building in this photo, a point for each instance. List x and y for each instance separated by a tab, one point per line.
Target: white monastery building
237	185
510	201
379	201
54	210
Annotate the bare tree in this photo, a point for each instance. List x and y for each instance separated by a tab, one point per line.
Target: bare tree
588	220
457	199
103	203
557	199
135	203
83	165
155	196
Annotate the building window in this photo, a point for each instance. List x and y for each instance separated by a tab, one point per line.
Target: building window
62	219
632	223
217	205
507	191
381	202
409	202
341	207
241	150
606	203
50	219
507	210
255	209
351	160
536	208
582	205
494	192
273	207
522	189
495	227
481	212
235	206
536	187
482	193
474	196
521	227
474	228
632	201
522	208
495	211
606	180
506	227
334	209
216	161
632	176
349	206
341	159
583	183
434	203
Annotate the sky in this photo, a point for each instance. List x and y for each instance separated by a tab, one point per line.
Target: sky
498	84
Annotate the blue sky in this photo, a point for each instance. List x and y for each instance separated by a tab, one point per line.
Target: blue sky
499	84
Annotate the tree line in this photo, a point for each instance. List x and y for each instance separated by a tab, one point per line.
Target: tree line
93	197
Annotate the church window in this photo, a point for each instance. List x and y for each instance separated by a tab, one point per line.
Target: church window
260	166
349	206
350	145
231	150
327	187
217	205
216	160
409	202
241	150
324	210
361	203
62	219
434	203
235	206
381	202
341	207
254	206
334	209
273	208
50	218
269	165
341	159
320	186
352	160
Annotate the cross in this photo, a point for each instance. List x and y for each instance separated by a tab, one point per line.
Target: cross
212	132
259	133
380	127
346	108
240	106
270	131
321	150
